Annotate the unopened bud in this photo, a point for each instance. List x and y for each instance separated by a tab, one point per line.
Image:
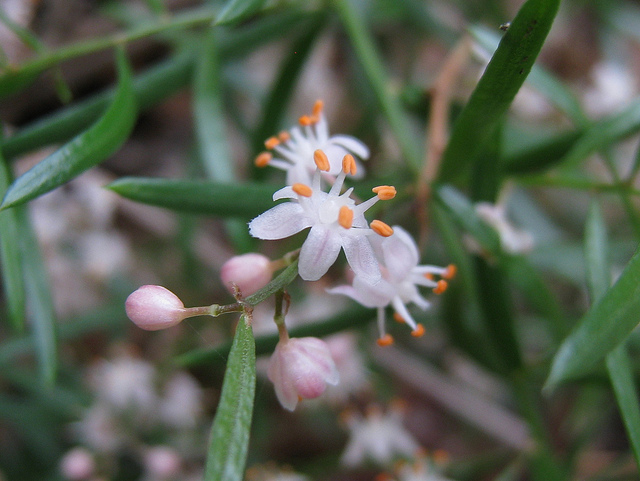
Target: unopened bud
250	272
300	368
77	465
154	307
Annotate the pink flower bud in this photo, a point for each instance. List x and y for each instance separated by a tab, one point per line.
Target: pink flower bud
154	307
250	272
162	462
300	368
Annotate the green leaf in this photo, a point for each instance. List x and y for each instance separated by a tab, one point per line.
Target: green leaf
244	200
39	300
229	439
497	88
10	257
605	325
617	361
83	152
237	10
605	132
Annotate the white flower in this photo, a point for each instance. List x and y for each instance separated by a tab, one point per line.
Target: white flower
401	276
296	147
379	437
336	223
512	239
78	464
421	469
181	404
300	368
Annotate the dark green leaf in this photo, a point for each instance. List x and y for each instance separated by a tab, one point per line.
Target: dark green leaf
497	88
10	257
244	200
236	10
229	439
606	325
86	150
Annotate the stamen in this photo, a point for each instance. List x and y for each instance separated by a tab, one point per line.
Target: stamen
398	318
345	217
317	108
385	341
440	287
321	160
349	164
271	142
305	120
381	228
428	275
303	190
450	272
263	159
440	456
385	192
418	331
284	136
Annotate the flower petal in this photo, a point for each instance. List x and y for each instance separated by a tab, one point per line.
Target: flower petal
352	144
318	253
360	257
279	222
400	253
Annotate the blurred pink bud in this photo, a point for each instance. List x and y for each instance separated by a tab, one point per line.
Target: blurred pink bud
162	462
250	272
77	464
300	368
154	307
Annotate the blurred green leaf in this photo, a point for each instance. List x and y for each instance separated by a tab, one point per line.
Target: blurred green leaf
605	325
39	301
604	133
617	361
244	200
237	10
540	155
86	150
10	257
229	439
497	88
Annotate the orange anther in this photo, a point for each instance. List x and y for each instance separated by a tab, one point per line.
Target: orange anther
385	340
440	456
381	228
441	286
418	331
305	120
398	318
349	164
321	160
317	108
345	217
450	272
428	275
385	192
263	159
303	190
284	136
271	142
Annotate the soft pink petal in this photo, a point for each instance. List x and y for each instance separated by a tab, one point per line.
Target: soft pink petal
361	258
318	253
400	253
279	222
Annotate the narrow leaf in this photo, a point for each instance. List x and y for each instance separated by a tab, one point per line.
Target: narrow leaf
10	257
236	10
244	200
86	150
229	439
497	88
39	301
596	254
605	325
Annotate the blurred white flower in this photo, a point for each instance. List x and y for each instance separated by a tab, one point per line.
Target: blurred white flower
512	239
379	437
181	404
161	463
612	88
354	377
78	464
295	148
99	429
421	469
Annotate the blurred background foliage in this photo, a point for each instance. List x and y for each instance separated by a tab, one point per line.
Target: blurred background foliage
528	368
